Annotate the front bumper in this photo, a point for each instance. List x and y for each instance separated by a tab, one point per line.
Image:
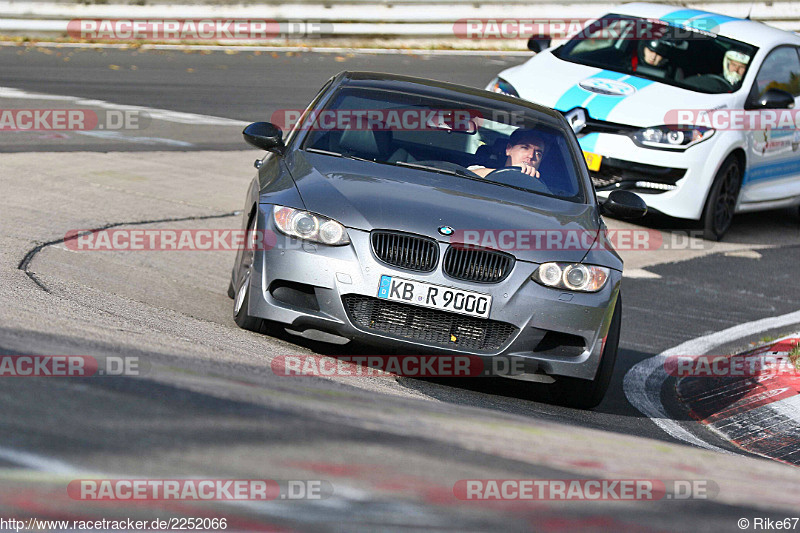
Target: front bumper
332	290
671	182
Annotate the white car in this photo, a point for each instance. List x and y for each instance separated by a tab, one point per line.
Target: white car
628	83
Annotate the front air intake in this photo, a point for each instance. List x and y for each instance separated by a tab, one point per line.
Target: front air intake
405	250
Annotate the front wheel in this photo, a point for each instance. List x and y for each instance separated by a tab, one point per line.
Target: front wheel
722	199
588	393
241	298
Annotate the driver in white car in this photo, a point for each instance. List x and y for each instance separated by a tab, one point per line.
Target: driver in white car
734	65
525	150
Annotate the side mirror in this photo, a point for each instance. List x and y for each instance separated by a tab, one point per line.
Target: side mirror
537	45
774	99
265	135
624	204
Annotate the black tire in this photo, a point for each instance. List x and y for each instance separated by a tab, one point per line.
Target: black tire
241	295
231	290
586	393
240	316
722	198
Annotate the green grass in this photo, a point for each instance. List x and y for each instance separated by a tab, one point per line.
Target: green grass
794	355
771	338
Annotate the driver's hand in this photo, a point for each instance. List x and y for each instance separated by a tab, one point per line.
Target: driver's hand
530	170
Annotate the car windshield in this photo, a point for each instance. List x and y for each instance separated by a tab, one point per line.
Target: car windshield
689	58
462	139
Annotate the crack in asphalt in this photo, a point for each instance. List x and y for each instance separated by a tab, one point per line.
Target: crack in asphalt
31	254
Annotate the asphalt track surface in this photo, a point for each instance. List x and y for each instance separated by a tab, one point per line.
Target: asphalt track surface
209	405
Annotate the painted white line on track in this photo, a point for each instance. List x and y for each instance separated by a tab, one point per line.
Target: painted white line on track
118	136
346	496
643	382
35	462
747	254
154	113
257	48
639	273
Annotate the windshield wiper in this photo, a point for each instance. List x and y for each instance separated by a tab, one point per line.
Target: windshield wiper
337	154
451	172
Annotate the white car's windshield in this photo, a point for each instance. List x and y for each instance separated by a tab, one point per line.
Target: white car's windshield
685	57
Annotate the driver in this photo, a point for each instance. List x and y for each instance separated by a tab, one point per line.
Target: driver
525	149
734	65
658	56
648	54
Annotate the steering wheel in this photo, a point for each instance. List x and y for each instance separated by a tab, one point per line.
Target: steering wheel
724	84
504	169
510	176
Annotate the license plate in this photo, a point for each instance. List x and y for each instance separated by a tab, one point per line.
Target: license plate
435	296
593	160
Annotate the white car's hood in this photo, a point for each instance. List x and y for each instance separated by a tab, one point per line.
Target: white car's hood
605	94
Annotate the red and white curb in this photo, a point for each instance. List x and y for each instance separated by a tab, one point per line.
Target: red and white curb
644	381
758	413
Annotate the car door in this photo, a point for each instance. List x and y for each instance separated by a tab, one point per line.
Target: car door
774	159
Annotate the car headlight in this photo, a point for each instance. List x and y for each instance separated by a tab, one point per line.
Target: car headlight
499	85
671	137
309	226
571	276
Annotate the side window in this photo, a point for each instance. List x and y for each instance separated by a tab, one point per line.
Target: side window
780	70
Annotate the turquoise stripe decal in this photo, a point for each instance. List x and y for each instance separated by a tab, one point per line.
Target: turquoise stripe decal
693	18
601	105
682	15
711	22
575	96
588	141
771	171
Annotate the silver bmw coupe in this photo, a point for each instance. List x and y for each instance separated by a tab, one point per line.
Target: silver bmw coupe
422	216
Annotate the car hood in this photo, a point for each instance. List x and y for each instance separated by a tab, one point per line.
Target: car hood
366	196
634	101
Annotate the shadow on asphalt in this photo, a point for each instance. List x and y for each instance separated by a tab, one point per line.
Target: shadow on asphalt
456	390
765	227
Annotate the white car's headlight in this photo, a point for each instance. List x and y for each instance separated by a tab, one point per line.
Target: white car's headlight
309	226
671	137
571	276
499	85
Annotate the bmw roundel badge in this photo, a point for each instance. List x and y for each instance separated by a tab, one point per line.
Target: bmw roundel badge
446	231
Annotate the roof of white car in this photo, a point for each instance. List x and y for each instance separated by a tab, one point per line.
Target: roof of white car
748	31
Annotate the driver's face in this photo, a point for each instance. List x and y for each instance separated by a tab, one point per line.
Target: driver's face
735	66
525	152
651	57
